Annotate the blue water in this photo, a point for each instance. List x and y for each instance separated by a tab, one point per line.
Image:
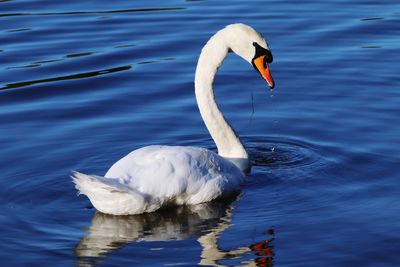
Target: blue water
83	83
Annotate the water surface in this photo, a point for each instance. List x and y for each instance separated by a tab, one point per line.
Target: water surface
82	84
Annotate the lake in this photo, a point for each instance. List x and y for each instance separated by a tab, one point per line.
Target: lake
84	83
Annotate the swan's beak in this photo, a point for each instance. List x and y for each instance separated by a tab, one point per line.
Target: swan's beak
262	66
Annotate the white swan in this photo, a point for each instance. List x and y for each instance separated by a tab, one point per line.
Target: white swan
155	176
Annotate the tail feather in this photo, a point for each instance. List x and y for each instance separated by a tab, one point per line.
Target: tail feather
110	196
85	184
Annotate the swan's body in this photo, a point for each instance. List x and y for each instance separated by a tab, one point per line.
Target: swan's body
155	176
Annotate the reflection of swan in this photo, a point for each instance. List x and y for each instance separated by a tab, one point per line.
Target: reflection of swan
156	176
108	233
179	223
207	221
212	254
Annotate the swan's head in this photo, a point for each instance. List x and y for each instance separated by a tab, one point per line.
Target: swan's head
246	42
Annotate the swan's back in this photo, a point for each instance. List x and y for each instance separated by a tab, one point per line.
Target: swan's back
155	176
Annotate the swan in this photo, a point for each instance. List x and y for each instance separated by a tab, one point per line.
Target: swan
156	176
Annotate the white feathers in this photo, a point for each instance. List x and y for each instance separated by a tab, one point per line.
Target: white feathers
240	37
108	196
156	176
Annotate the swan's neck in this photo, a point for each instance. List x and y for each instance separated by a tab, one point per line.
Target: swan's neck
227	141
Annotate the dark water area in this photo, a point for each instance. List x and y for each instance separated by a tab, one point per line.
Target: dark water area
84	83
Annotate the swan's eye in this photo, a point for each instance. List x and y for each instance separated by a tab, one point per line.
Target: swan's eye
268	57
261	51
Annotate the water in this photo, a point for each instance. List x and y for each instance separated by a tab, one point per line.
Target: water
82	84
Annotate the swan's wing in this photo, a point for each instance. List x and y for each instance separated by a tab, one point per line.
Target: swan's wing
185	174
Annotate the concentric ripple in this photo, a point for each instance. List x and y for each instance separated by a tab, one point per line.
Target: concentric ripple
282	153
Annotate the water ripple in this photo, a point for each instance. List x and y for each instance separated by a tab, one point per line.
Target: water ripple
366	19
83	54
94	12
282	153
19	30
66	77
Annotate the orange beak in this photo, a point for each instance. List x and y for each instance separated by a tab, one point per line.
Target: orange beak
261	65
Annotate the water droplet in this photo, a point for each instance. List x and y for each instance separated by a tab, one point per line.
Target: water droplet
271	93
